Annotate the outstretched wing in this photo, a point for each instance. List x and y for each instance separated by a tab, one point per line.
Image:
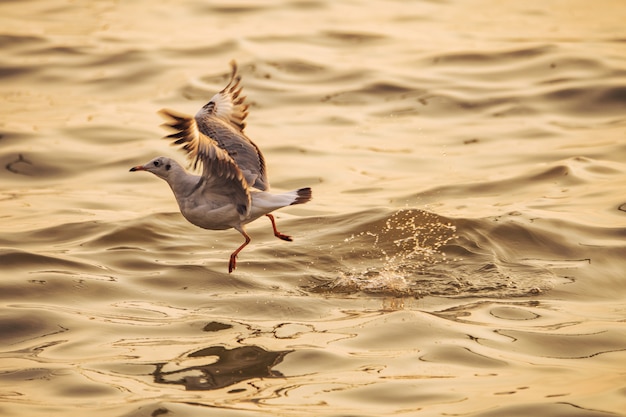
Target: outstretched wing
220	173
228	105
223	120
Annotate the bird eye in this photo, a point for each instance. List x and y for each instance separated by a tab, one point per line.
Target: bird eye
156	163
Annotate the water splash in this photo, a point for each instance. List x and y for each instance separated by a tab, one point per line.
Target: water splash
397	255
418	237
416	253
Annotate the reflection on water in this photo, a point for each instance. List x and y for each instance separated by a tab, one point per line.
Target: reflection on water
226	367
464	254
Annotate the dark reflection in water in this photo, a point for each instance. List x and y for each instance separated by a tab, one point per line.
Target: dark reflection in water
232	366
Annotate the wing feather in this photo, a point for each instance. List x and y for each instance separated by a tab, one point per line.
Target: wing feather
220	173
229	105
223	120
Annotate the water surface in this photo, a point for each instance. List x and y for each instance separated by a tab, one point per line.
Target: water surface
463	253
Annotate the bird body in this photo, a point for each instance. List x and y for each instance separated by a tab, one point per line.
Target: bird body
232	189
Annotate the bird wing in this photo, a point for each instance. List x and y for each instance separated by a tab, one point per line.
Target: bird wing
229	105
223	120
220	173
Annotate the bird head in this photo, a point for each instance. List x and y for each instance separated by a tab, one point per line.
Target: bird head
160	166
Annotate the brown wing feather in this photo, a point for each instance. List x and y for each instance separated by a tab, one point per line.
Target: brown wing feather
229	105
223	120
219	170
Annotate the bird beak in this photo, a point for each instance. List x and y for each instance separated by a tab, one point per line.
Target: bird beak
138	168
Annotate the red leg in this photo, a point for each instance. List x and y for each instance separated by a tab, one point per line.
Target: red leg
276	232
233	257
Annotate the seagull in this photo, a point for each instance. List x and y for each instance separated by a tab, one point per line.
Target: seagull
232	188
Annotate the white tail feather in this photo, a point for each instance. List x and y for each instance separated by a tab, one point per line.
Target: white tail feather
263	202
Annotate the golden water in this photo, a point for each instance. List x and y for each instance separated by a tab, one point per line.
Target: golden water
464	253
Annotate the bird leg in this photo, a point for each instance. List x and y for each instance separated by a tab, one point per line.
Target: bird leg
276	232
233	257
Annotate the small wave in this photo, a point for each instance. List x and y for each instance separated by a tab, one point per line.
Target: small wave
478	58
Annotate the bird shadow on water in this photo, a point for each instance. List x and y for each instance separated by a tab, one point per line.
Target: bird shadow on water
217	367
416	253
